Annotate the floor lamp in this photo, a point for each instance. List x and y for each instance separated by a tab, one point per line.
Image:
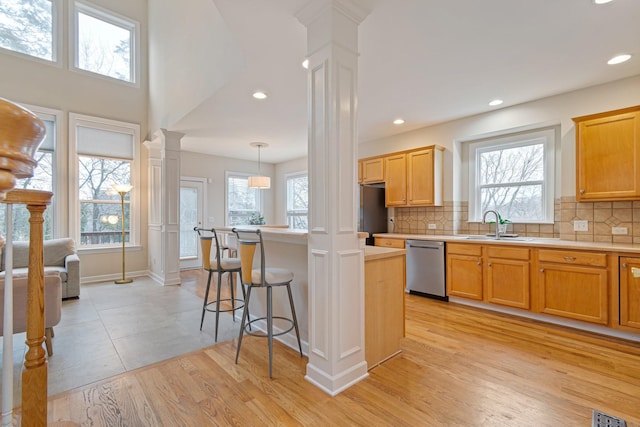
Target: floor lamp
122	189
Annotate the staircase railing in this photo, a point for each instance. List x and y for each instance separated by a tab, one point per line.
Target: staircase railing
21	133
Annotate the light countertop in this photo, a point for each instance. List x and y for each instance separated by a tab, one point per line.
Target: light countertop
372	253
538	242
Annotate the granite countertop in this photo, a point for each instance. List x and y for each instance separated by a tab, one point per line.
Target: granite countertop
538	242
372	253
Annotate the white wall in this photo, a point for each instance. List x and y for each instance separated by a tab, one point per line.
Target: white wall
556	109
280	196
56	86
191	53
213	168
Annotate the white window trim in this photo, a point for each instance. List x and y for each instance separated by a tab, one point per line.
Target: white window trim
59	175
110	17
228	174
56	40
288	176
76	120
514	138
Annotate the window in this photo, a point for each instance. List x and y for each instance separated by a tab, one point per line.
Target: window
43	179
105	43
243	203
105	154
297	200
513	175
29	27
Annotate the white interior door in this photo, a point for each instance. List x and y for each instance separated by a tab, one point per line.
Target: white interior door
191	215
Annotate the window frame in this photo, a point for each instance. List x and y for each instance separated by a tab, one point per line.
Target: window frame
111	18
56	39
230	174
133	129
512	139
291	213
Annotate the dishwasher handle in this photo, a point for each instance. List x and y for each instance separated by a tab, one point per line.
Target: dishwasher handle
418	244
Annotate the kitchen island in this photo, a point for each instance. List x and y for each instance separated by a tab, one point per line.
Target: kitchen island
384	289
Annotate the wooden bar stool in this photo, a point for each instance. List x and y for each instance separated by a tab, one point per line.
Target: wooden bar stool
266	278
214	262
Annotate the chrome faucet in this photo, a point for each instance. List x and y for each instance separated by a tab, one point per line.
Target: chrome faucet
484	217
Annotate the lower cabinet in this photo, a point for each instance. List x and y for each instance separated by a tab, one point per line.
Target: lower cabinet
574	284
507	276
464	270
630	292
384	308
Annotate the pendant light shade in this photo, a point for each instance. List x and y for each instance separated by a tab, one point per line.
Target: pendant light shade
259	181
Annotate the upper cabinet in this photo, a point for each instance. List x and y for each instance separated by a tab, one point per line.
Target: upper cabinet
608	155
371	171
396	183
415	178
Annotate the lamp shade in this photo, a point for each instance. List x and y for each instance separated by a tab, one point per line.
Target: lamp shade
122	188
260	182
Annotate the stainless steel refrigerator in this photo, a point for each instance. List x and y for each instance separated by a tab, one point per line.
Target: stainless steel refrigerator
373	212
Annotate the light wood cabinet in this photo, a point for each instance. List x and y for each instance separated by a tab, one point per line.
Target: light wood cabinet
464	270
630	292
424	177
574	284
371	171
495	274
396	182
507	279
389	243
384	308
608	155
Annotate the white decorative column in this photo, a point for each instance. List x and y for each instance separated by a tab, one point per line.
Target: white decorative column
336	259
164	206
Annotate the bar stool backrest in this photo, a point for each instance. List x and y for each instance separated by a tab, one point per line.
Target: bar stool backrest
247	243
206	243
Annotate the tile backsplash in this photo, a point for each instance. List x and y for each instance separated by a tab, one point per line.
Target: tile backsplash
452	218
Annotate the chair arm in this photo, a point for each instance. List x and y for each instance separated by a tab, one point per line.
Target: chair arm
72	264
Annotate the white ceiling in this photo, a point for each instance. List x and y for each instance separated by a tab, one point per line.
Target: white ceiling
426	61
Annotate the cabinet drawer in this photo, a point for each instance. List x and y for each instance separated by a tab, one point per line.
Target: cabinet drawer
573	257
508	253
389	243
464	249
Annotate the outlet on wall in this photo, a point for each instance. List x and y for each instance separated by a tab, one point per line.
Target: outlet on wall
618	230
432	226
581	225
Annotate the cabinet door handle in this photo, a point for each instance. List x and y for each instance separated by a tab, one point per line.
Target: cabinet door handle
570	258
542	270
479	263
488	264
582	191
624	265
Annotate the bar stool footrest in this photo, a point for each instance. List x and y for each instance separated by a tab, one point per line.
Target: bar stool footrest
213	303
258	333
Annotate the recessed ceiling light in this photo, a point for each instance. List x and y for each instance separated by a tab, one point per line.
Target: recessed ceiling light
619	59
305	64
259	95
398	121
601	1
496	102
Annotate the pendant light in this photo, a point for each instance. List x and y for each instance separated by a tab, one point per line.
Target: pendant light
259	181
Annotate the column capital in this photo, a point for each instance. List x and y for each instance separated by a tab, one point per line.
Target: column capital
356	10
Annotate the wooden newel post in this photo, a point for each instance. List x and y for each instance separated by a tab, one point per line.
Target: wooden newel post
34	373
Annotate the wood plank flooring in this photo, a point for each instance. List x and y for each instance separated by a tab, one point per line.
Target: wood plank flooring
459	366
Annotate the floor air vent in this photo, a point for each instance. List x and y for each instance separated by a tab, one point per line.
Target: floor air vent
600	419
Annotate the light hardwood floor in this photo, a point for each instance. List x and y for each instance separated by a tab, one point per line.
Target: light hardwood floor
459	366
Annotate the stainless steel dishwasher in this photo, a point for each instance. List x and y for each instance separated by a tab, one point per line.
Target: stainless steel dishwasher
426	269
